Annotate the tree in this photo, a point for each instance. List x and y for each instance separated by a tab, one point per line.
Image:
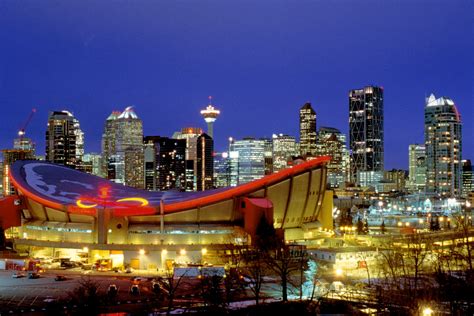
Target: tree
212	293
382	227
86	296
360	226
253	271
170	285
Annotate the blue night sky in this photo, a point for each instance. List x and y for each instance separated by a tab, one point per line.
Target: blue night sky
261	60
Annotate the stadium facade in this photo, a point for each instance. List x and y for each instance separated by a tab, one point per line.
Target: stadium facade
61	212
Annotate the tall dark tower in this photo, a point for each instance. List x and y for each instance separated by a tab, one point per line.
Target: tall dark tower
63	139
366	137
205	162
307	130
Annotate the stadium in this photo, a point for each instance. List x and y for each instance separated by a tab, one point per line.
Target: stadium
59	212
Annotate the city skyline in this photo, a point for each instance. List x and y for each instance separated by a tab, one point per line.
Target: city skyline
86	69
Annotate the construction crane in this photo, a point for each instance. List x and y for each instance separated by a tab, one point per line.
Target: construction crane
22	131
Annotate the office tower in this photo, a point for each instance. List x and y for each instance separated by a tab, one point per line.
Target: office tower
9	157
64	139
247	156
366	135
210	114
397	177
190	134
122	148
467	178
205	162
443	142
416	168
331	142
165	163
95	162
307	130
284	149
221	170
268	155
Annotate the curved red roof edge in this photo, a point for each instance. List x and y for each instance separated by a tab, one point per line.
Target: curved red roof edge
240	190
247	187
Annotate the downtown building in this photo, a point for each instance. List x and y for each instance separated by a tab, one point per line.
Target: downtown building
331	142
366	135
284	149
190	134
443	142
467	178
246	160
122	148
64	139
307	130
416	168
205	163
165	163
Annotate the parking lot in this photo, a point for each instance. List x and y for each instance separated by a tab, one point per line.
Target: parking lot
27	294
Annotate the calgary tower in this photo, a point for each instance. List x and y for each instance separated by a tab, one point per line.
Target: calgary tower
210	114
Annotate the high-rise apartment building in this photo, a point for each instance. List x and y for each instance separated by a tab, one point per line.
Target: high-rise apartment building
122	148
307	130
416	168
331	142
284	148
95	162
64	139
443	142
366	135
205	162
165	163
247	156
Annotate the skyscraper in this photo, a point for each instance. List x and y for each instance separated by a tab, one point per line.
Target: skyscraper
307	130
190	134
210	114
443	142
64	139
165	163
284	148
366	135
331	142
247	156
467	178
205	162
9	157
122	148
416	168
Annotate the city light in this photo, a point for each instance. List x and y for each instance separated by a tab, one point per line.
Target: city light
339	272
182	252
141	252
204	251
427	311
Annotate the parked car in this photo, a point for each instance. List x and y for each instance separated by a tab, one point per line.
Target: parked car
33	275
60	278
134	289
17	275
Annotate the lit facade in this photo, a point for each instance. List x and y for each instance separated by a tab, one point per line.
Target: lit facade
307	130
443	142
122	148
9	157
366	134
210	114
398	177
165	163
205	162
331	142
95	160
144	229
190	134
416	168
467	178
221	170
284	149
64	139
248	158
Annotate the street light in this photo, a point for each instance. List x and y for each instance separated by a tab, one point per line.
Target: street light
141	252
427	311
339	272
